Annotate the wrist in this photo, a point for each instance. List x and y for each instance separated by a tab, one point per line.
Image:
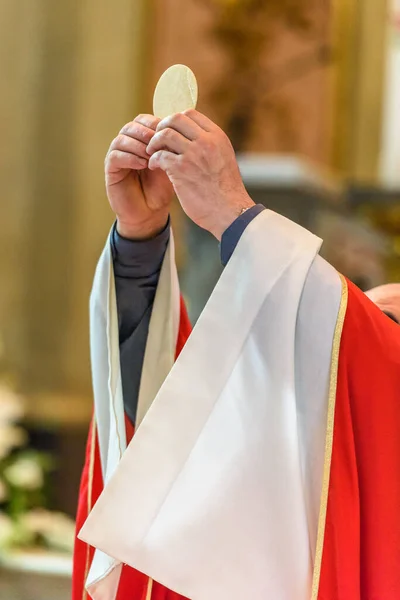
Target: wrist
225	218
143	230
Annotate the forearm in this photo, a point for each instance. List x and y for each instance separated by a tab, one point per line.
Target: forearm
137	266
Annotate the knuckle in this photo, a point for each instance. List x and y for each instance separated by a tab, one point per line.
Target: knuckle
189	112
168	133
142	133
165	134
164	123
183	162
155	159
175	119
111	158
118	141
145	120
126	128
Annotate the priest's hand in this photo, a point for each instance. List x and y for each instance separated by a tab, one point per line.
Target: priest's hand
200	162
140	197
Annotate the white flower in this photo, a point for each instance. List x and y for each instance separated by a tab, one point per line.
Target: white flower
3	491
25	473
6	530
11	437
56	529
36	521
15	436
11	406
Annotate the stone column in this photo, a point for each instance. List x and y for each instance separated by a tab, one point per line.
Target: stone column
360	30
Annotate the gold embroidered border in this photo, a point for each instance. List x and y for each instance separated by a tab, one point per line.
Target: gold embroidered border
89	499
329	438
112	327
149	589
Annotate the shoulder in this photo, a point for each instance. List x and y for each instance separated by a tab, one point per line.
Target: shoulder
366	326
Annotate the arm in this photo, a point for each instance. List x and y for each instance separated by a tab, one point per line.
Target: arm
137	266
140	198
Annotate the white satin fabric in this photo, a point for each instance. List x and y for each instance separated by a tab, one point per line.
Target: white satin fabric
107	386
217	496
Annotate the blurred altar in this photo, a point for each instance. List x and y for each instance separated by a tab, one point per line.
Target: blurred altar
309	92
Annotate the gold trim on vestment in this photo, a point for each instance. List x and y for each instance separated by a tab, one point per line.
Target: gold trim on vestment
112	309
329	438
149	589
89	499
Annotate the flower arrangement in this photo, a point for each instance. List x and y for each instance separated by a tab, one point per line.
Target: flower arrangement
24	520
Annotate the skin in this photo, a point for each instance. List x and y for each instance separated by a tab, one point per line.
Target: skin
387	298
185	153
190	155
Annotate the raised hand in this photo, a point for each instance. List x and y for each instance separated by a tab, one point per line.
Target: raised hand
140	197
200	162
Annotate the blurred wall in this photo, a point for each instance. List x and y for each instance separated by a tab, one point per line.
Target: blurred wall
73	74
181	33
331	112
390	151
360	46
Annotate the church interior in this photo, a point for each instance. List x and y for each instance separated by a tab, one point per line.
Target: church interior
308	92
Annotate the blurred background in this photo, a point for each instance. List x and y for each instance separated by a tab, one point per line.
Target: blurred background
309	92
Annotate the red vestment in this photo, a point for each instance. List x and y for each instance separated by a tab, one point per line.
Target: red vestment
133	584
358	551
361	545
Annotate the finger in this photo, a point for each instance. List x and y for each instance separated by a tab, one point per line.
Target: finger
201	120
128	144
137	131
163	160
168	139
149	121
117	160
183	125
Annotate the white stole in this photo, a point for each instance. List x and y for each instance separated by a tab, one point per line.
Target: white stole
106	375
209	498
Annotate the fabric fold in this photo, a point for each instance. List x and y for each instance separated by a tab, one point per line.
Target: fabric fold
105	570
209	497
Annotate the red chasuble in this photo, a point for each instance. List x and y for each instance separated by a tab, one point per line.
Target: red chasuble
133	584
359	532
358	547
219	484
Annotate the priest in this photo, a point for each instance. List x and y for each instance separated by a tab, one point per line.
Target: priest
266	463
148	332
